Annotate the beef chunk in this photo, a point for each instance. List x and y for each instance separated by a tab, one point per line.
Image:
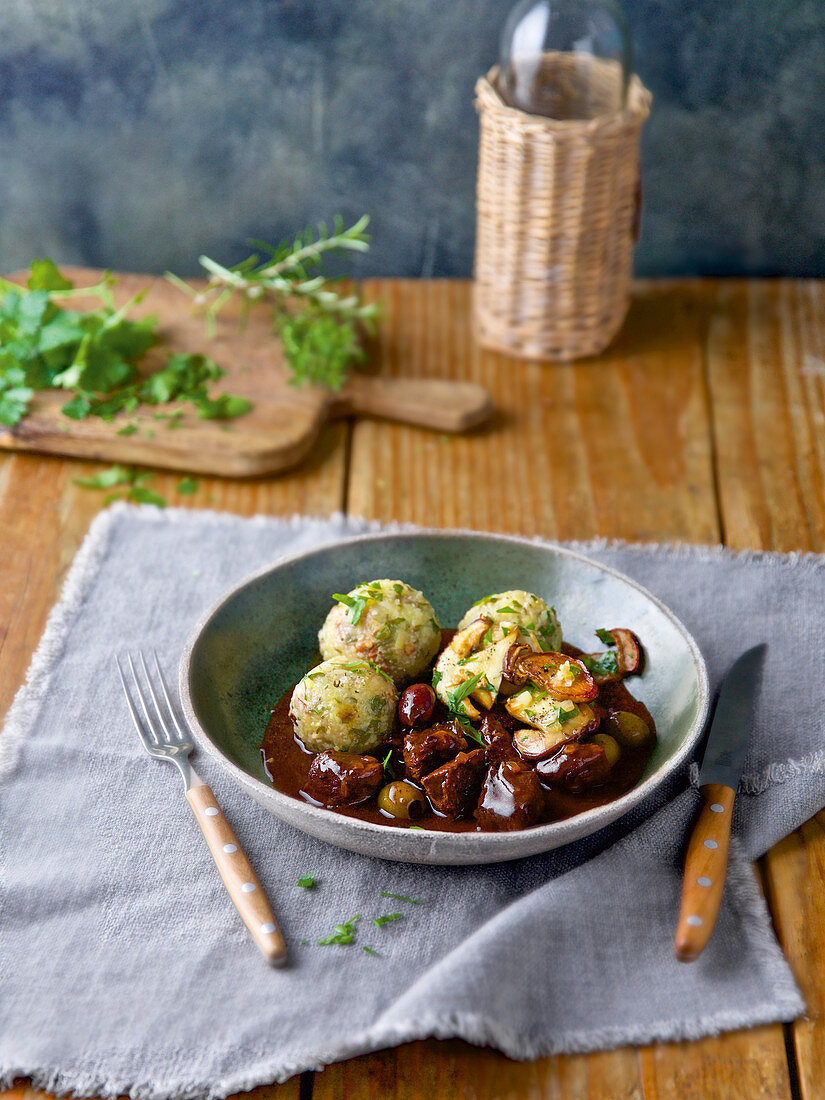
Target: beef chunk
574	767
511	797
426	750
343	778
453	788
498	741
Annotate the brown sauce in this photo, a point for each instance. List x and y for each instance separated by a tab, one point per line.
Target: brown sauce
287	763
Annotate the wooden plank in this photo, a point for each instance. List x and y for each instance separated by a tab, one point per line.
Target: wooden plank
451	1068
616	446
619	447
766	370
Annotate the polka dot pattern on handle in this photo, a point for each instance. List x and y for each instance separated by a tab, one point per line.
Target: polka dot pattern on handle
248	887
211	811
711	844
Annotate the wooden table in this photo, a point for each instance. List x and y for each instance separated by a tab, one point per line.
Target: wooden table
703	424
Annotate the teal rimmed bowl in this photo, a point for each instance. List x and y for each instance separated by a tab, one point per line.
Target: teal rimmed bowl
261	637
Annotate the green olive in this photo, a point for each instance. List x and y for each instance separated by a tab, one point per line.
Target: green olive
610	747
401	799
628	729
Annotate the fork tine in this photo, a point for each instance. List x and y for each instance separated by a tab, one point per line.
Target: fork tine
144	705
148	741
162	678
165	734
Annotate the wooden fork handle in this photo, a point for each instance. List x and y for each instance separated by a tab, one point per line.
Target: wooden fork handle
705	867
237	874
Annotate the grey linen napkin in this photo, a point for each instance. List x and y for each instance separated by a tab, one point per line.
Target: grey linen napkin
125	969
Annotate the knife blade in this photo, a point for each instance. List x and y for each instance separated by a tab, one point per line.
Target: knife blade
707	855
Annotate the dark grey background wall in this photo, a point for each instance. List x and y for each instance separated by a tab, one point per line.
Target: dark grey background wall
139	133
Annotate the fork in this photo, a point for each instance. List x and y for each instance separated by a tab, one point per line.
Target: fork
163	738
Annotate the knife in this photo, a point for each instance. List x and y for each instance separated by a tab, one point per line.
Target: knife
707	855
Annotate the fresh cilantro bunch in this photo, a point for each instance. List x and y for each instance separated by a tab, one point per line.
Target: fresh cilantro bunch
92	355
320	329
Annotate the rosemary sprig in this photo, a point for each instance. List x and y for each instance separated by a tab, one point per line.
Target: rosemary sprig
319	328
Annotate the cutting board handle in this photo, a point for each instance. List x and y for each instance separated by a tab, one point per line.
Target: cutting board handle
428	402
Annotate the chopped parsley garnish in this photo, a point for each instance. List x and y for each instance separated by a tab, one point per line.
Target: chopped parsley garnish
420	828
125	477
369	950
356	605
455	698
506	610
307	881
437	677
389	770
344	933
380	921
398	897
187	485
603	664
484	599
488	637
605	636
564	715
399	589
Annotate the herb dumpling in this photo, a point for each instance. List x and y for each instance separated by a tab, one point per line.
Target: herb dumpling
343	705
386	622
518	608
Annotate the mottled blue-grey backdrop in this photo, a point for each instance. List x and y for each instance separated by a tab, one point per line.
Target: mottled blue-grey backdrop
139	133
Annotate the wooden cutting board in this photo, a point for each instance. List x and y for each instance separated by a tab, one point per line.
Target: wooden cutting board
277	433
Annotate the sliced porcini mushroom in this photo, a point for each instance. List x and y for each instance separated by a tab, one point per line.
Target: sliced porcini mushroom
616	663
628	650
562	676
551	722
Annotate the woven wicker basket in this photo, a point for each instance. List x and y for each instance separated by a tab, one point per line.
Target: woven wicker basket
555	212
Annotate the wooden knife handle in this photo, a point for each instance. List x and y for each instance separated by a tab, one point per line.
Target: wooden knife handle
429	402
705	867
236	871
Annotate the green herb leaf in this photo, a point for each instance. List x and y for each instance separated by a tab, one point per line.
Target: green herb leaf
605	636
369	950
389	770
187	486
344	933
129	429
420	828
140	495
106	479
455	698
484	599
601	664
45	276
380	921
398	897
307	881
438	675
356	605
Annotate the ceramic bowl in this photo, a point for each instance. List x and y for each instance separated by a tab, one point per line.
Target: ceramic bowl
261	637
